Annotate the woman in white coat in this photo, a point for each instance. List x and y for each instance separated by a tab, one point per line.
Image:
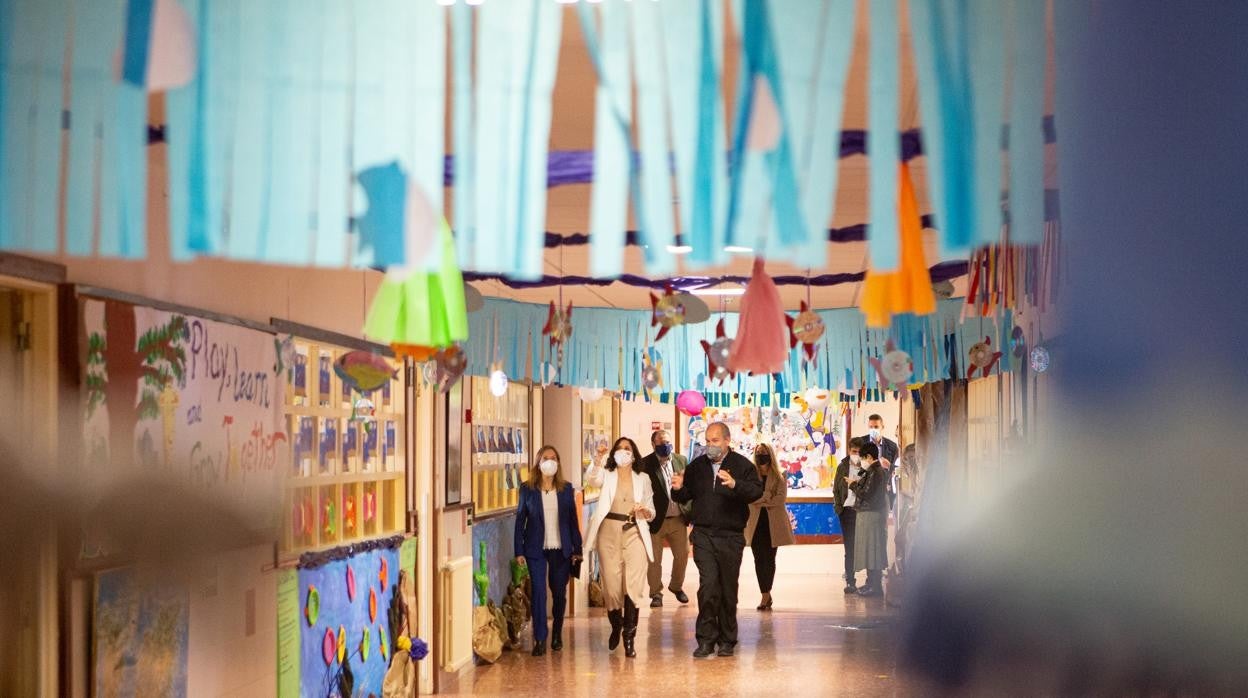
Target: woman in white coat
620	535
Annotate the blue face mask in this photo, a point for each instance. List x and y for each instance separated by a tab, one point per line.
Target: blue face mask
663	450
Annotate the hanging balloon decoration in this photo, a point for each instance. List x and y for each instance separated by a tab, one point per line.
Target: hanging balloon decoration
894	369
593	394
666	312
982	358
717	354
691	403
806	329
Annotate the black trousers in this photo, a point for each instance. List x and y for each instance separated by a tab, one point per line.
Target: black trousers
718	557
849	518
764	554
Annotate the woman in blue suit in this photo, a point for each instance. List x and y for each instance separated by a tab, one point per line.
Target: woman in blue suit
548	541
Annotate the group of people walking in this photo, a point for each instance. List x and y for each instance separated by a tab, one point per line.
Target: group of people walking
646	502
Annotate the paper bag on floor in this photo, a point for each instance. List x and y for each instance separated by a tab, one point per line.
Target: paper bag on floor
400	681
486	641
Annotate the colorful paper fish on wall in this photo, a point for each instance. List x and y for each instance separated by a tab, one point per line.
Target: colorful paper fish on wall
364	371
805	329
982	358
666	312
894	369
717	354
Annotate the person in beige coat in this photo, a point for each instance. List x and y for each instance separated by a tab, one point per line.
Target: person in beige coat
619	532
768	527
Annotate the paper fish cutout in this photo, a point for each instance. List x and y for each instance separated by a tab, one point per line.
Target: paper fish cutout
365	644
327	516
312	607
718	353
666	312
894	369
982	358
350	584
805	329
342	644
385	643
348	513
558	324
761	345
329	647
383	575
372	605
364	371
652	371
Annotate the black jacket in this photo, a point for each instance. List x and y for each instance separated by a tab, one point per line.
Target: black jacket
872	489
840	485
716	507
650	464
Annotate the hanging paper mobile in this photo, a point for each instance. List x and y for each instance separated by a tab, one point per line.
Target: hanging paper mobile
364	371
312	607
894	368
651	371
982	358
666	312
450	363
1039	359
1018	343
807	329
559	329
696	310
718	353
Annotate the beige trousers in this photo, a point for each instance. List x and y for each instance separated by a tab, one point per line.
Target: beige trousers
622	556
676	534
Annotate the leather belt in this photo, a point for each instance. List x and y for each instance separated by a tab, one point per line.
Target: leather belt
629	520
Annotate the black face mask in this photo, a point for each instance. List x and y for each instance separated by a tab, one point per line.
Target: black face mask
762	459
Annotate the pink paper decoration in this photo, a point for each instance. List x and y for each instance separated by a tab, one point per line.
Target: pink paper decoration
691	402
762	342
350	584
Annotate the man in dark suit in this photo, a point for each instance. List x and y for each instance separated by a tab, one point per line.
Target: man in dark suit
888	452
670	523
846	507
720	484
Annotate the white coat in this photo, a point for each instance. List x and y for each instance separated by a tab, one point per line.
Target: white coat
608	481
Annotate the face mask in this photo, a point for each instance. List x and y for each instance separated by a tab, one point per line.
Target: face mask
875	434
549	467
714	452
623	458
855	459
663	450
762	459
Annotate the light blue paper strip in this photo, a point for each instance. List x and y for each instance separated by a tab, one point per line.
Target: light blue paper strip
987	70
248	174
534	139
612	158
1027	123
184	144
493	171
651	70
35	48
123	201
464	135
883	144
709	219
681	36
223	80
90	88
334	179
938	29
426	75
138	41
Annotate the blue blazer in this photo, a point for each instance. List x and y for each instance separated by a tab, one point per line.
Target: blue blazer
531	523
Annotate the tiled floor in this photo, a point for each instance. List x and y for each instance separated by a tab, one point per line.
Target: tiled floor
816	641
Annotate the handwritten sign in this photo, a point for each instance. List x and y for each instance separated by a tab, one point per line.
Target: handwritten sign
209	408
288	626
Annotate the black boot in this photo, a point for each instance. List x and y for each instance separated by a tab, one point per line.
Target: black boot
631	614
617	625
539	648
556	638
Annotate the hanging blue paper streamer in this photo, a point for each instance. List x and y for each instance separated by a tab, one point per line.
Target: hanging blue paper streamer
1026	142
883	145
184	138
138	41
334	178
249	174
534	137
608	211
426	61
465	153
656	180
987	70
709	217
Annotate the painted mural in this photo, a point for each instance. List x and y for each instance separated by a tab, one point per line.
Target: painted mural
140	631
345	638
499	536
814	522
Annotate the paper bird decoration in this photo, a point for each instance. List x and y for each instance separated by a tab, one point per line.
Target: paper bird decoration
982	357
807	329
894	368
666	312
717	354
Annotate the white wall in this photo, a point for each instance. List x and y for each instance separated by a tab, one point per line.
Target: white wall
233	626
637	418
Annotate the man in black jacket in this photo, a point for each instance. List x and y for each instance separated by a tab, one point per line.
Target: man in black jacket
721	484
846	507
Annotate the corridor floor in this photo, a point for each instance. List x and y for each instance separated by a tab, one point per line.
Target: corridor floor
815	642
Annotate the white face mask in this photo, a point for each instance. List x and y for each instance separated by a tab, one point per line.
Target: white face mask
549	467
875	434
855	459
623	458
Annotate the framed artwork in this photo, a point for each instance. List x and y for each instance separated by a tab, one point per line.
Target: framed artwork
454	445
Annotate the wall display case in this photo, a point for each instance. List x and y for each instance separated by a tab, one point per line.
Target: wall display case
599	425
347	477
501	445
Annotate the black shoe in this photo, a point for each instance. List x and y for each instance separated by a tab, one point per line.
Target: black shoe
869	591
725	650
851	588
704	650
656	601
617	626
681	596
539	648
556	640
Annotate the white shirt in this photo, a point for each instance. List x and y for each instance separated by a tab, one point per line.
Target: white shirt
673	509
550	507
854	471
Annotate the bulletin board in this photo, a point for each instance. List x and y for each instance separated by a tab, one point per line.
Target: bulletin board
501	445
598	428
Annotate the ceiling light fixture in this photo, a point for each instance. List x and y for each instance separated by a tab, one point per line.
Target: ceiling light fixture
738	248
679	249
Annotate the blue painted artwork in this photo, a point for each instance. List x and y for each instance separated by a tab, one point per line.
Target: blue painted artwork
141	636
337	609
814	518
499	537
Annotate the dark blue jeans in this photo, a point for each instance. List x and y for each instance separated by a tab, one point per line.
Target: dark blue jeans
552	566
